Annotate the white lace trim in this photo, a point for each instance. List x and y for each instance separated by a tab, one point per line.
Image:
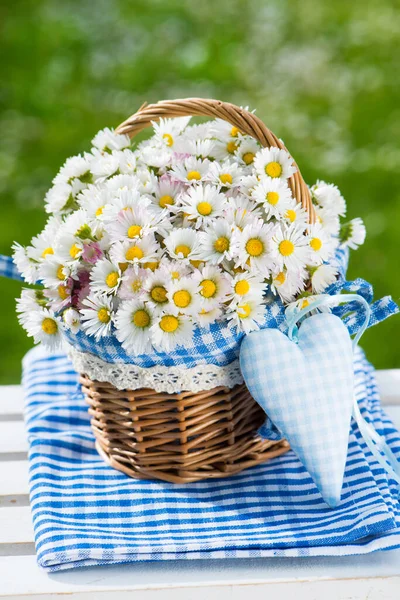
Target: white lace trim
171	380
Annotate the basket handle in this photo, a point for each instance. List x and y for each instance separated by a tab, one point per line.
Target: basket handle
241	118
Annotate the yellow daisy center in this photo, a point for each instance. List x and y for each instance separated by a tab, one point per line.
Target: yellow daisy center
74	251
305	303
280	278
103	315
286	247
182	298
221	244
194	175
169	140
291	215
231	147
151	265
136	285
226	178
183	249
175	274
248	157
208	288
254	247
273	169
165	201
242	287
234	131
169	323
62	292
49	326
47	251
316	244
272	198
204	209
159	294
244	311
134	231
134	252
196	263
112	279
141	318
99	211
60	273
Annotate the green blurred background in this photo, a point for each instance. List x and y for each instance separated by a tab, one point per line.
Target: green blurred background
324	77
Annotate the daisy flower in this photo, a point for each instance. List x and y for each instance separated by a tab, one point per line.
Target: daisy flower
183	295
200	148
322	277
156	290
275	163
182	244
117	183
167	130
296	214
208	316
166	192
61	198
246	316
274	195
132	285
132	223
171	330
191	170
107	141
76	167
290	248
123	200
68	248
202	203
287	284
214	285
133	321
61	296
174	269
140	250
72	320
252	246
245	285
329	220
53	272
147	181
127	162
28	267
246	151
321	244
226	175
105	277
240	211
223	130
93	201
328	195
105	165
215	242
352	234
42	244
45	327
97	315
79	225
28	303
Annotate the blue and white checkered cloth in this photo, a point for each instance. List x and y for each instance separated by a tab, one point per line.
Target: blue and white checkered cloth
8	268
86	513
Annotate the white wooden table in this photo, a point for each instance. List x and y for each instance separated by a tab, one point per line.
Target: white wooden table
373	577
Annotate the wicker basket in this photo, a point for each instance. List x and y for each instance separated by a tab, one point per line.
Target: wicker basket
188	436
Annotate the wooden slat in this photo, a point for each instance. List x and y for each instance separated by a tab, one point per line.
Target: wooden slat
11	400
15	525
14	478
375	577
389	386
12	437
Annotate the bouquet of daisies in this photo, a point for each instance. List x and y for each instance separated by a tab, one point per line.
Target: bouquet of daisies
195	226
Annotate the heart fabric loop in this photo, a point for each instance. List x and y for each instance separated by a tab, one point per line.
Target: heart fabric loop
305	383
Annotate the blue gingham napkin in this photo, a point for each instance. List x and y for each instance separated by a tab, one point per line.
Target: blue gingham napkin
86	513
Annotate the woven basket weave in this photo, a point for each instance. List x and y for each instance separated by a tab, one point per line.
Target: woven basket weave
188	436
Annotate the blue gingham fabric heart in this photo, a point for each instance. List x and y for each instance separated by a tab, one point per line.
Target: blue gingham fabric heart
306	389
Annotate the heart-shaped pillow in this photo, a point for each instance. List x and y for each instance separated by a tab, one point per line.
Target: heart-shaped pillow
306	388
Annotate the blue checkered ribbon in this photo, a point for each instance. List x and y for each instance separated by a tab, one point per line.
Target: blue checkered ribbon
8	268
86	513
